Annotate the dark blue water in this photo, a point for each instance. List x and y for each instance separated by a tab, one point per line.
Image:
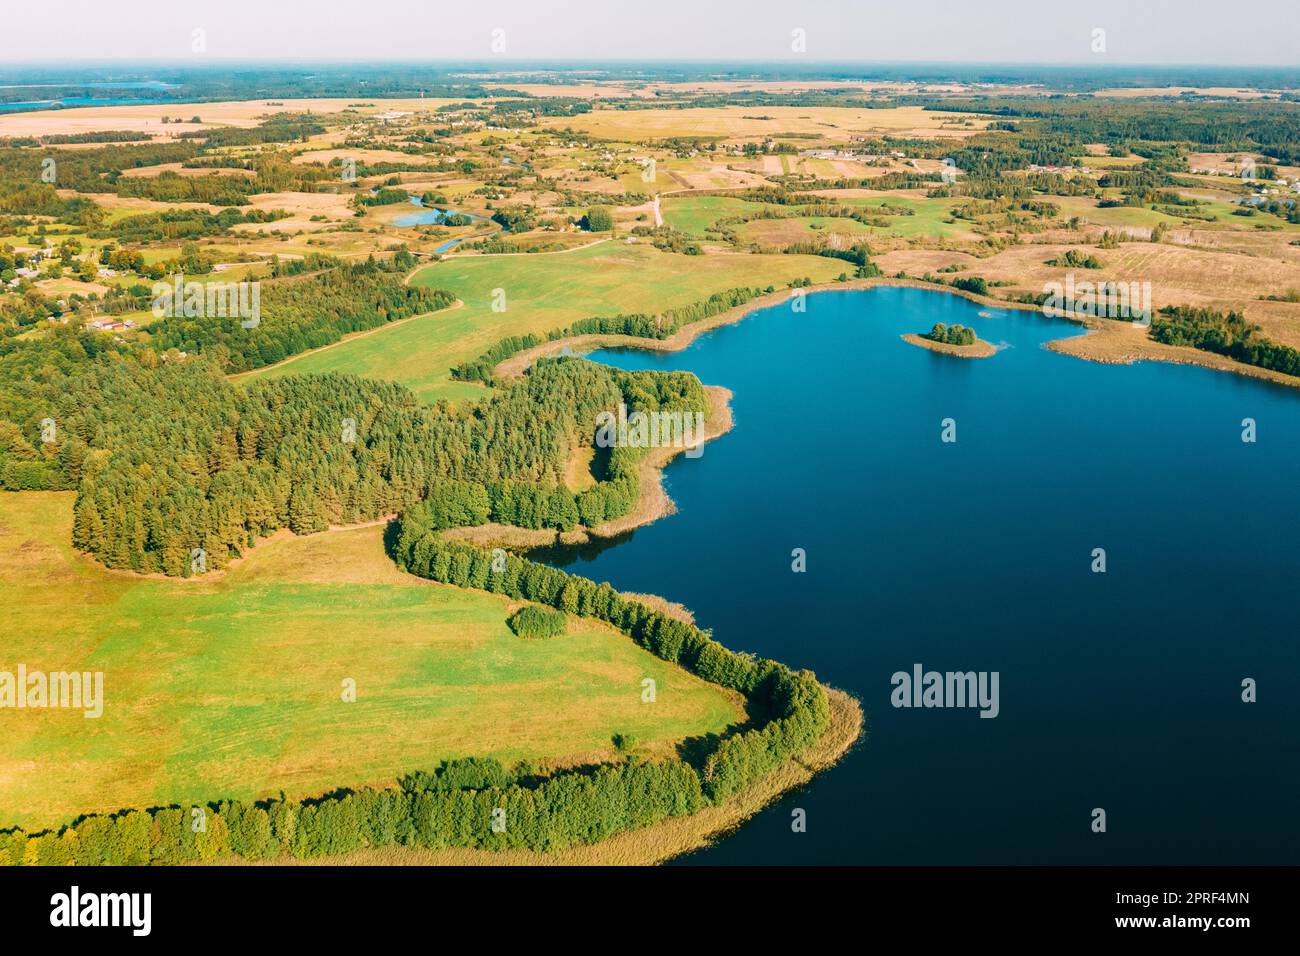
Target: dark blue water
1119	690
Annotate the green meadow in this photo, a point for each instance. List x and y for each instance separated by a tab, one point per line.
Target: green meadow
541	292
695	214
232	686
927	217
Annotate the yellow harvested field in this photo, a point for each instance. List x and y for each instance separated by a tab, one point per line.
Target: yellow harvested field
325	156
1178	276
920	261
134	204
147	117
1231	164
707	174
179	170
302	205
67	286
736	122
1229	92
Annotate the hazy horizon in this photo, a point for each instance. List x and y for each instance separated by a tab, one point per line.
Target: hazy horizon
1162	33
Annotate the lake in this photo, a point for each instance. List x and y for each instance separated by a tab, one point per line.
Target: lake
1119	690
428	216
77	101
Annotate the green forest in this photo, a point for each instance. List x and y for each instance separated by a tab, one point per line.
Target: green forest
299	314
168	457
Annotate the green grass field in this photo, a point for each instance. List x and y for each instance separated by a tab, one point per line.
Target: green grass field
1144	217
542	292
695	214
778	232
927	218
232	686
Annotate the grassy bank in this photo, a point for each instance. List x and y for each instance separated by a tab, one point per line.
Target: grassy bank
657	843
232	687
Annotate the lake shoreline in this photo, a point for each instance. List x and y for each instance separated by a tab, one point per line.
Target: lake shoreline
1099	342
652	502
646	846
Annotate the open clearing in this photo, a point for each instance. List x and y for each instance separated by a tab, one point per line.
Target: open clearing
1177	275
231	687
147	117
742	122
542	292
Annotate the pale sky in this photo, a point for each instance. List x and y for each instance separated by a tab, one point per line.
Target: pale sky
1264	32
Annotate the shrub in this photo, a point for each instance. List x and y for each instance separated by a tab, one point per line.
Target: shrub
975	284
533	621
598	219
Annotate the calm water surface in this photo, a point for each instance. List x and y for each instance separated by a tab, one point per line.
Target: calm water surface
1119	690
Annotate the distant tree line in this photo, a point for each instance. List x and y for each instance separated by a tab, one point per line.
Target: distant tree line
303	314
173	224
383	197
859	255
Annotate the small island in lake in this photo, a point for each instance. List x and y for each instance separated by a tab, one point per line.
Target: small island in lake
952	340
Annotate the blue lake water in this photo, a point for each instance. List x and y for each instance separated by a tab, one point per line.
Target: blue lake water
429	216
1119	691
94	84
80	101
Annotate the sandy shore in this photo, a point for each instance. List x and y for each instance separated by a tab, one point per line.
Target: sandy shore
978	349
1122	343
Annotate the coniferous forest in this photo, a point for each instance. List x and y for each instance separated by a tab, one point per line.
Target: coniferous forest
168	457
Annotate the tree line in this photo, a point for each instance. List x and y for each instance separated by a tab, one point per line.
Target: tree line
1231	335
478	803
303	314
638	324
